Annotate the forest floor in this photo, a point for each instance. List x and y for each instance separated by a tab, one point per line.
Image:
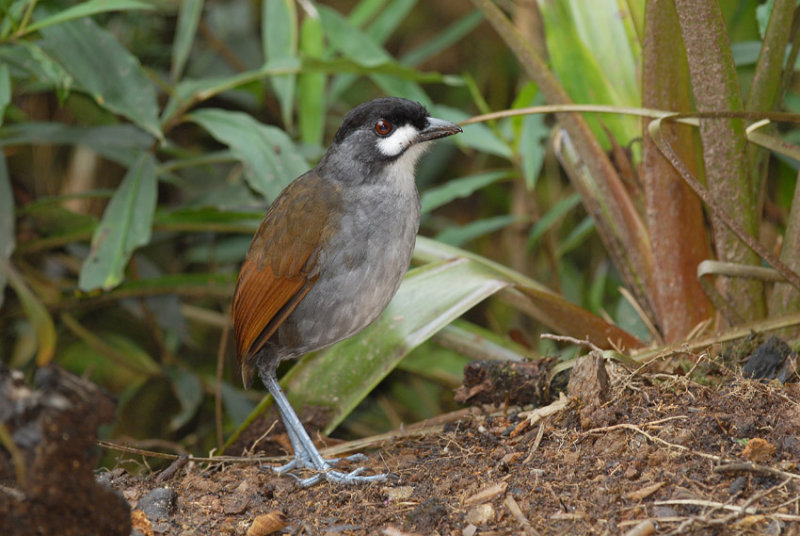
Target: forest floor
657	454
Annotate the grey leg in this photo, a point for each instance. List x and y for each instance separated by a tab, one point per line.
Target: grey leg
306	455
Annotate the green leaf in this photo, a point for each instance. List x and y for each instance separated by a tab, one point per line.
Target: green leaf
269	156
103	68
279	41
594	60
476	136
443	39
311	85
119	143
459	234
189	92
361	48
551	217
126	225
5	90
535	299
430	298
188	390
7	234
237	405
389	19
30	58
433	198
36	312
86	9
188	19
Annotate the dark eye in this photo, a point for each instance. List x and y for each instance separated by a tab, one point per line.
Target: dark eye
383	127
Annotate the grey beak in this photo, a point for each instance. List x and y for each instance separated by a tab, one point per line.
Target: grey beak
438	128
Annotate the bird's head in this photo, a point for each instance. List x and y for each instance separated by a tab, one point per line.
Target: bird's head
386	131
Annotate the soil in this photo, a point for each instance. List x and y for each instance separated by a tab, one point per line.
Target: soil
662	455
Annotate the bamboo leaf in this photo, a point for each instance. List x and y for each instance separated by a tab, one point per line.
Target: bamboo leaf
189	92
119	143
188	19
126	225
433	198
361	48
458	235
279	42
269	156
102	67
86	9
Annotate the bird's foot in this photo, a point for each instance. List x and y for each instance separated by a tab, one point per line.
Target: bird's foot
325	471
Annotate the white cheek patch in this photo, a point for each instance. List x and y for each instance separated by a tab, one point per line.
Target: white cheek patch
398	141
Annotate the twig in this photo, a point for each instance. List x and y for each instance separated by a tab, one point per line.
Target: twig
754	468
572	340
627	426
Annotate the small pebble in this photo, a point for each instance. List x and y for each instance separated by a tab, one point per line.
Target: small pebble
158	504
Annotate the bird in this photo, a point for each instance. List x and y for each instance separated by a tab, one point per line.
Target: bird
329	256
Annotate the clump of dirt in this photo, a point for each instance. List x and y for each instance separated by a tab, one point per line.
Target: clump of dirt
663	455
48	456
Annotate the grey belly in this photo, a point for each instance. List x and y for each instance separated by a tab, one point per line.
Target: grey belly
360	271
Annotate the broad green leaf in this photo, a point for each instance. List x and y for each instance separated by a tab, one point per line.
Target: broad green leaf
311	106
269	156
85	9
119	143
535	299
5	90
480	343
126	225
584	66
433	198
40	66
430	298
457	235
279	42
436	363
7	233
601	28
36	312
188	390
107	71
188	19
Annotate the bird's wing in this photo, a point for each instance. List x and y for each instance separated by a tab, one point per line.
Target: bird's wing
281	264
